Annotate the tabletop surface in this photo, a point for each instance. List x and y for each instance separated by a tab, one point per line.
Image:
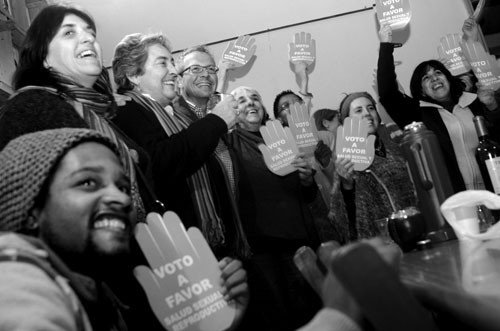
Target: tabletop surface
459	277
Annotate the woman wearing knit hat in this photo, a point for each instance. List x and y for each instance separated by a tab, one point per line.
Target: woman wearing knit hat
65	210
375	193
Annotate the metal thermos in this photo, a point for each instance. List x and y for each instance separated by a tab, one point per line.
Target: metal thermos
424	158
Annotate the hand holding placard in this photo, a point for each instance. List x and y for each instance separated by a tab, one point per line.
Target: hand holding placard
183	284
484	65
396	13
279	149
238	52
354	144
303	129
302	49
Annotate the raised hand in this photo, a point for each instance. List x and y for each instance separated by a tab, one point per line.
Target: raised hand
279	149
303	48
183	283
303	128
353	143
225	107
385	34
484	65
470	29
238	52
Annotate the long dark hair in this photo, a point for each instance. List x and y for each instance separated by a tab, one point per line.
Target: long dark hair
422	69
31	69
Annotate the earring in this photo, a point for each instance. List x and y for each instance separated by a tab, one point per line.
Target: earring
31	223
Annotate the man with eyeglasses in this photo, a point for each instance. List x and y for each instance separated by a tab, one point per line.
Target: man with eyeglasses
198	83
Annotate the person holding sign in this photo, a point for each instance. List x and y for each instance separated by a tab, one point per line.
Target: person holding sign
67	222
275	216
441	104
301	56
376	192
181	146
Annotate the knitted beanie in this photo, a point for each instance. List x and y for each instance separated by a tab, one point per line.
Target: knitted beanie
25	165
346	103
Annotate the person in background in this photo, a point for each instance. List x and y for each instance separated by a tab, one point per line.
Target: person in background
365	196
327	120
181	146
438	100
276	220
286	98
66	213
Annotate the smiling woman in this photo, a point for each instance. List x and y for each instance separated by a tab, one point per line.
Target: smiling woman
59	82
440	103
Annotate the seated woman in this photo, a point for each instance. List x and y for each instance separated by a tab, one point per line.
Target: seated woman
67	221
441	104
59	82
276	220
376	192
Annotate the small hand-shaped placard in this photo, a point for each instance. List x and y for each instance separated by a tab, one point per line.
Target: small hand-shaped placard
303	129
303	48
353	142
279	149
183	283
396	13
450	53
239	52
484	65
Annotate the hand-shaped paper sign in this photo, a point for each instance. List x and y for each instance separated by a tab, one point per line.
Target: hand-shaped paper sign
396	13
183	283
353	143
239	52
484	65
303	129
303	48
279	149
450	53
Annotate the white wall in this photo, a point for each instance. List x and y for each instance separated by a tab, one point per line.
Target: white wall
347	46
347	52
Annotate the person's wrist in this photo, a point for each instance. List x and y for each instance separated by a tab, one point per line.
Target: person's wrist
306	94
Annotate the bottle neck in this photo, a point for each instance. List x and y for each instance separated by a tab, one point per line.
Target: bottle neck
481	130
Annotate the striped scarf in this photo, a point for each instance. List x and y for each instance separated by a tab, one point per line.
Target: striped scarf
96	109
199	182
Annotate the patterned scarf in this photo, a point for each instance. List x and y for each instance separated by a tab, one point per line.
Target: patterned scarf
96	109
199	182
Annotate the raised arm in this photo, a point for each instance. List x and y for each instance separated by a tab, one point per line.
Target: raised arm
402	109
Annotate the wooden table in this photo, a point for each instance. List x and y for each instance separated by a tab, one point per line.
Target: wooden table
460	279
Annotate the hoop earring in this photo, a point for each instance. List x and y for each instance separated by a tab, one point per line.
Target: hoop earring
32	223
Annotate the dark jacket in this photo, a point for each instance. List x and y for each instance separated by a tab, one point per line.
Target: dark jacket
176	157
405	110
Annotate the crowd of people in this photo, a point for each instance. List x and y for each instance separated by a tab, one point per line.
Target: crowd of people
81	164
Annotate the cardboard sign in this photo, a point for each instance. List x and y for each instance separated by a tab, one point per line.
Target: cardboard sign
451	55
303	128
239	52
354	143
182	283
303	48
280	149
483	64
396	13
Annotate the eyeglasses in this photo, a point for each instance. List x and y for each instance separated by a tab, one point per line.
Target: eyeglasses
196	69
